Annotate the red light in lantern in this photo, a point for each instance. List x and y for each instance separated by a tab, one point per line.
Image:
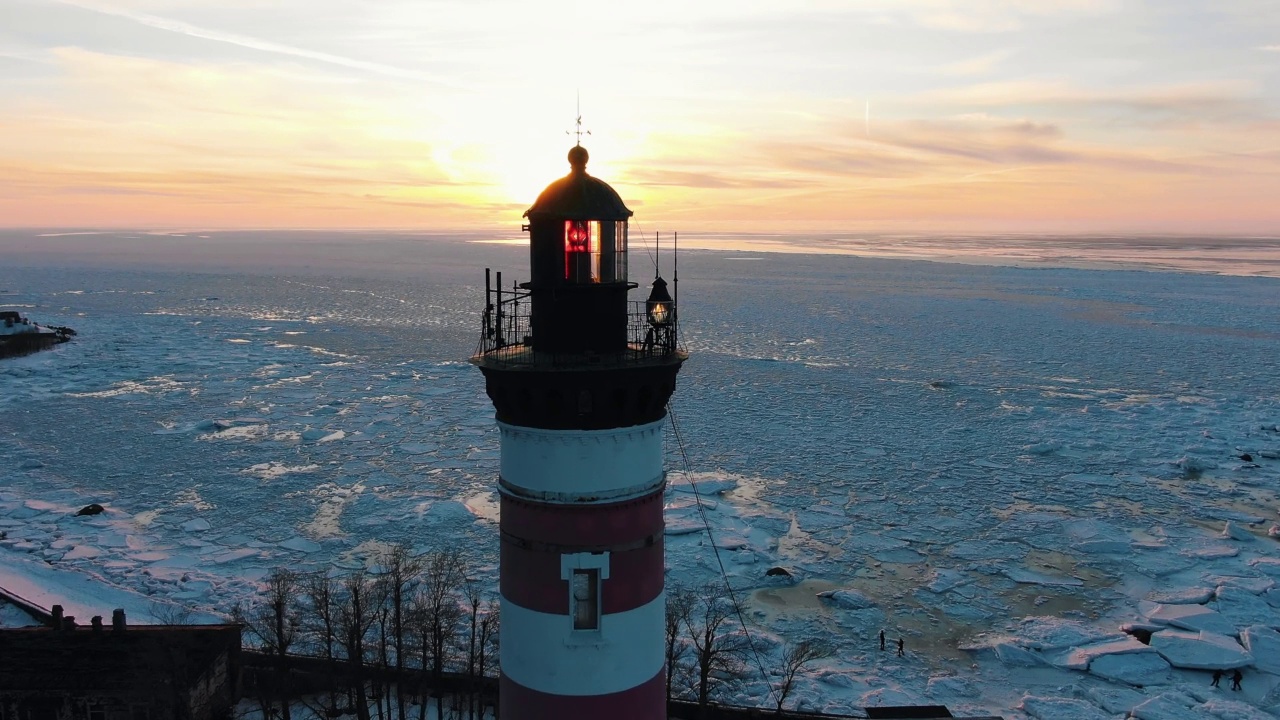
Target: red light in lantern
575	236
582	251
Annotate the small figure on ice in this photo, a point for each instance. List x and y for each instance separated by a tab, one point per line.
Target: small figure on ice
882	640
1236	677
1217	677
901	652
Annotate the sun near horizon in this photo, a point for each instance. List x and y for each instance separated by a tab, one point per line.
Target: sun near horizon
921	116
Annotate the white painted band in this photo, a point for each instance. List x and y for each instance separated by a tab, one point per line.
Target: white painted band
543	652
584	561
578	466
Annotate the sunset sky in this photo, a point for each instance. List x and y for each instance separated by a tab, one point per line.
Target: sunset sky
927	116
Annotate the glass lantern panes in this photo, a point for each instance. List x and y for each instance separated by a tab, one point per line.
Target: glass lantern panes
595	251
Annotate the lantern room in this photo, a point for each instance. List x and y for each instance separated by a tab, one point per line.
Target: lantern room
568	349
578	264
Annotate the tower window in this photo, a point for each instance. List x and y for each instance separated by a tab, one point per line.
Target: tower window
585	592
585	572
595	251
582	251
613	251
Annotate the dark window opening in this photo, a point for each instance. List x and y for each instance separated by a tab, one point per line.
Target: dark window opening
586	599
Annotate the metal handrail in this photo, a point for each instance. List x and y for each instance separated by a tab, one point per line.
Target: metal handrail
506	338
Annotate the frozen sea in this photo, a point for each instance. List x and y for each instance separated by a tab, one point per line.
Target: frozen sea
1003	457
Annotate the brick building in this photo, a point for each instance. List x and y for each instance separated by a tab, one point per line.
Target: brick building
118	672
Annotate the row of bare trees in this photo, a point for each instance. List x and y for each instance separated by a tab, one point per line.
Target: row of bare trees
420	614
424	614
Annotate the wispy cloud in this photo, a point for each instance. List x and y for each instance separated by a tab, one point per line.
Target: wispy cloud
253	43
996	16
1228	100
727	179
1270	48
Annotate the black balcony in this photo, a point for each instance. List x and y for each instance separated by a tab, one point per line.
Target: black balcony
508	340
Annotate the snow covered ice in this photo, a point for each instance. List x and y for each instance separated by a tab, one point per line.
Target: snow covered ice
1000	465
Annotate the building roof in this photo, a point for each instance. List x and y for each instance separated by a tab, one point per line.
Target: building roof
578	196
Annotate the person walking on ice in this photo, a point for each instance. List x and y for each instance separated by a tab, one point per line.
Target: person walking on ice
882	640
1217	676
1236	677
901	652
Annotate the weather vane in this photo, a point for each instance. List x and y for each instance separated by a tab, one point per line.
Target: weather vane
578	131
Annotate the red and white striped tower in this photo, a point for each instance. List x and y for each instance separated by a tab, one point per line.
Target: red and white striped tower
580	377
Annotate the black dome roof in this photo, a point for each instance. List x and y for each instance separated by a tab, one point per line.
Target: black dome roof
578	196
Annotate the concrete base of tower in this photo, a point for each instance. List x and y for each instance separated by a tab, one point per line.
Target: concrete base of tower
647	701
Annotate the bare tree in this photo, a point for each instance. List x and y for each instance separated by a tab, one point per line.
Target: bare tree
402	570
274	623
488	641
473	601
480	642
321	592
382	689
679	602
718	648
794	658
358	610
167	613
436	614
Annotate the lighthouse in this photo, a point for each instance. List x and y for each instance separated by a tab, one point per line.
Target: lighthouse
579	374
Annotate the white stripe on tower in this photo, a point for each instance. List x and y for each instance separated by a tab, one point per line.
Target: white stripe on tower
539	650
575	466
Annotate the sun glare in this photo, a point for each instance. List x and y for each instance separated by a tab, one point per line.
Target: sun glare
509	148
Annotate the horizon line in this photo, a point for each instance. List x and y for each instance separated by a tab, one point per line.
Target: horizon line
69	230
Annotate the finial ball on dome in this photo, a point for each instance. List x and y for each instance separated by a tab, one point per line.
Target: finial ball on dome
578	158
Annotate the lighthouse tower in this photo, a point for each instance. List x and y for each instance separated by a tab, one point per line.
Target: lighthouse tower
579	376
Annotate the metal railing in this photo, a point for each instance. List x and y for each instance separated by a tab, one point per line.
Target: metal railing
507	337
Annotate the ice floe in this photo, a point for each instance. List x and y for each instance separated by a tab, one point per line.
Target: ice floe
1061	708
1200	651
1191	617
1138	669
847	599
1263	644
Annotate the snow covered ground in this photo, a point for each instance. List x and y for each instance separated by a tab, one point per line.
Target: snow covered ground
1005	465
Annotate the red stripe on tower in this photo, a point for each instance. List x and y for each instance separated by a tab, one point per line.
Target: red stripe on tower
532	547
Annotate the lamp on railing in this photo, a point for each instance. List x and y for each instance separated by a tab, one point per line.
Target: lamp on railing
660	307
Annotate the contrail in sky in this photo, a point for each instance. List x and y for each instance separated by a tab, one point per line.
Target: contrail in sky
177	26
